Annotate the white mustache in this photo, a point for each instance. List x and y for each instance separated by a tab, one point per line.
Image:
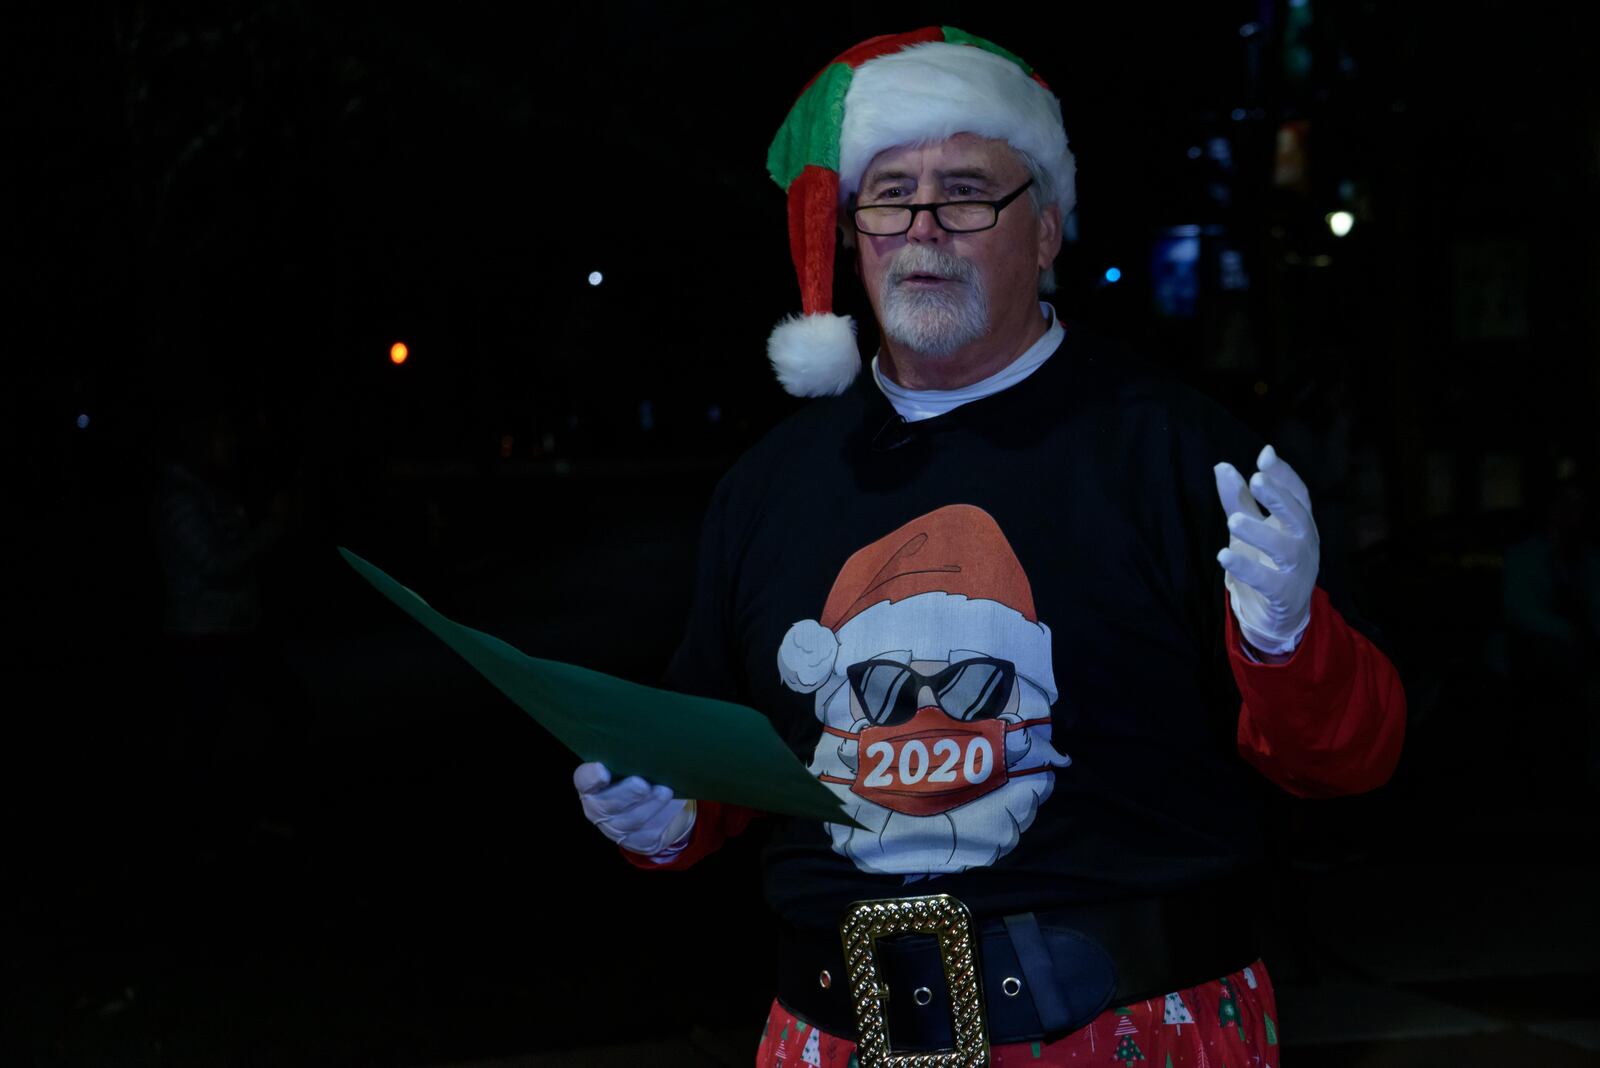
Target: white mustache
923	259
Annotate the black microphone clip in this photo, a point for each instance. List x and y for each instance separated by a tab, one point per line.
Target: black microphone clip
894	433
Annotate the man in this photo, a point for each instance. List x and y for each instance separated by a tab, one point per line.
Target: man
1016	659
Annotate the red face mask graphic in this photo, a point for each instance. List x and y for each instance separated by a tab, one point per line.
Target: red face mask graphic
923	759
931	763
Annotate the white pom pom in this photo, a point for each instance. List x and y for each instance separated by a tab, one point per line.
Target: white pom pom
806	655
815	355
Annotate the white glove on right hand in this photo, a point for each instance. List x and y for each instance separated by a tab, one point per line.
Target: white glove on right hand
1271	561
639	817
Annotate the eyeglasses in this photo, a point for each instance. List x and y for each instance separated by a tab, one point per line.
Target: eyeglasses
954	216
967	690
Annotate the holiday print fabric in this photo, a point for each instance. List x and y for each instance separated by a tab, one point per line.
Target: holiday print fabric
1229	1023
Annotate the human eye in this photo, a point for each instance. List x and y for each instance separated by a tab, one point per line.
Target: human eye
975	188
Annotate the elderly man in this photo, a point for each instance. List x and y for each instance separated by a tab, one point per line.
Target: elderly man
988	576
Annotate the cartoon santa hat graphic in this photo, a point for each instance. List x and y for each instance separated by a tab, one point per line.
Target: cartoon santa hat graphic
901	89
945	582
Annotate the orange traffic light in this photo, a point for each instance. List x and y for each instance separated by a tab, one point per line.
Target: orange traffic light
398	352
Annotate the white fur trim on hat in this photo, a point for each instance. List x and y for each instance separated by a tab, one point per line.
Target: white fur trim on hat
815	355
932	91
805	658
934	624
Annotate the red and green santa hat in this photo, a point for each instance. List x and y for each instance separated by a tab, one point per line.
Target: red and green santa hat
901	89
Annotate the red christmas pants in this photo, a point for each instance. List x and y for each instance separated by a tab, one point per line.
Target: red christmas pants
1227	1023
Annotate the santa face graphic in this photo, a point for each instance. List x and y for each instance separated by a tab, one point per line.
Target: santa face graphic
933	686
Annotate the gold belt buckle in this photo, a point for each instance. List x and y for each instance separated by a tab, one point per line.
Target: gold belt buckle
948	920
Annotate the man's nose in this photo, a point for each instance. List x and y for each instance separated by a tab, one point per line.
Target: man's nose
924	227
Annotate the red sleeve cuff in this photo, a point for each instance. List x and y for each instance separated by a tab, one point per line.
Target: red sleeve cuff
1331	719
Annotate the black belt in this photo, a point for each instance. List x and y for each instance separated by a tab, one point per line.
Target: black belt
1043	975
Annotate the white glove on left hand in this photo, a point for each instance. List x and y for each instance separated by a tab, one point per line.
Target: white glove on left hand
639	817
1271	561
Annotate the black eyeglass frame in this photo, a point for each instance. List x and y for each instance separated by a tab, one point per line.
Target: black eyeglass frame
998	206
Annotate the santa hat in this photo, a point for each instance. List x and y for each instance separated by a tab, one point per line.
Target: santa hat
945	583
926	85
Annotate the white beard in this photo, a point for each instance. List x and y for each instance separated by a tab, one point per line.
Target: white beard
933	323
972	835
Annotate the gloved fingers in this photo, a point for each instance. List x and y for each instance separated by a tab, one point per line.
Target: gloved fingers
1233	492
653	831
637	817
591	777
655	835
1257	576
651	839
1277	470
680	824
1248	551
619	797
623	825
1282	548
1284	508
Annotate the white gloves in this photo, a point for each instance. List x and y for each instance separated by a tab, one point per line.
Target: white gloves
1271	562
637	816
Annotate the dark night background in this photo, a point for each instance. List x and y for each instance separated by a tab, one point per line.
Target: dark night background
330	842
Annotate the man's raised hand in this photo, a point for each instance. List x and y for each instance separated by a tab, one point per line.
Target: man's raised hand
1271	561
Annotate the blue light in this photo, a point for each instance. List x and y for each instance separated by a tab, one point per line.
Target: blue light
1113	274
83	421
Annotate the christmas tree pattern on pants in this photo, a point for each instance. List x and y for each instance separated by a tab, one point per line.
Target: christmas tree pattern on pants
812	1054
1176	1012
1227	1009
1127	1050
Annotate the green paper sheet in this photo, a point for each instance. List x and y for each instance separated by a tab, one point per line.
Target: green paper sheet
700	747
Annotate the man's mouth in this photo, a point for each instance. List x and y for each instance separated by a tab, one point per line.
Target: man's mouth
924	279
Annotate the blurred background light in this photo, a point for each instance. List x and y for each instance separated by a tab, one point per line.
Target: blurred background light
1340	222
398	352
595	278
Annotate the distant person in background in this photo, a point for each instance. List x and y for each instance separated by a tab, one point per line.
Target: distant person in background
233	705
1552	602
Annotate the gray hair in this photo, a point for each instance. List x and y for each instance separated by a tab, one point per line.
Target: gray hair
1041	193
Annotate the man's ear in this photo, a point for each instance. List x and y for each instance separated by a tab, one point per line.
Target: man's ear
1049	236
